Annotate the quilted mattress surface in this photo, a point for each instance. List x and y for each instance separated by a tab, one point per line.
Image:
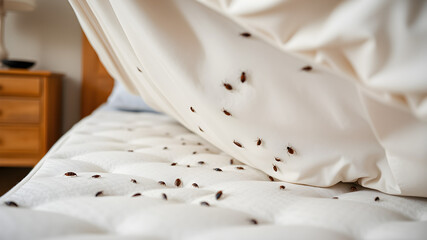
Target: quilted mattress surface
119	175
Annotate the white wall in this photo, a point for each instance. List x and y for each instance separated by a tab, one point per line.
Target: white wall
51	36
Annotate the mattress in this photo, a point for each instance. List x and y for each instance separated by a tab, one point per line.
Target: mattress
124	175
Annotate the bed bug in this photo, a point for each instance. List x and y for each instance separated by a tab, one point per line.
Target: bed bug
70	174
307	68
259	142
377	199
11	204
164	196
139	70
195	185
201	130
253	221
201	162
277	159
271	178
192	109
245	34
237	144
240	168
178	182
173	164
275	168
165	148
136	195
99	193
199	143
133	181
334	197
243	77
353	189
218	169
188	165
96	176
231	161
218	195
194	152
290	150
226	112
282	187
162	183
205	204
228	86
130	150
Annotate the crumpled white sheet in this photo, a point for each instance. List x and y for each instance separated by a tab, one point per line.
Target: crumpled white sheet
359	115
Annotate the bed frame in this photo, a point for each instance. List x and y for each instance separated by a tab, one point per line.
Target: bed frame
96	82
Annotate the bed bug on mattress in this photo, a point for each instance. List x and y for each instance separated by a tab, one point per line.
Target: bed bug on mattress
245	34
277	159
226	112
243	77
275	168
192	109
307	68
201	162
70	174
130	150
188	166
253	221
259	142
228	86
100	193
218	195
173	164
231	161
96	176
139	70
199	143
353	189
334	197
271	178
377	199
290	150
282	187
240	168
162	183
195	185
11	204
164	196
237	144
201	130
194	152
136	195
178	182
133	181
218	169
205	204
165	148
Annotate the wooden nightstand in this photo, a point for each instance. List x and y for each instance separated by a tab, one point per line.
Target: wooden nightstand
30	115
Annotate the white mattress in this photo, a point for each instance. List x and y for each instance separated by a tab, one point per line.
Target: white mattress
54	206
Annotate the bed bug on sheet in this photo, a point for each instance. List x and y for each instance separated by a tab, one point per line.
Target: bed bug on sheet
188	166
192	109
353	189
194	152
226	112
218	195
139	69
334	197
195	185
231	161
173	164
130	150
201	130
11	204
178	182
70	174
277	159
218	169
133	181
243	77
199	143
228	86
275	168
162	183
205	204
96	176
377	199
136	195
100	193
282	187
253	221
307	68
245	34
201	162
165	148
164	196
237	144
240	168
290	150
259	142
271	178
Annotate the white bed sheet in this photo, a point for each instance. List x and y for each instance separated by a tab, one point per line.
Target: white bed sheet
55	206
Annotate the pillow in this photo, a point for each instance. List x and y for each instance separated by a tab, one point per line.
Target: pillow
121	99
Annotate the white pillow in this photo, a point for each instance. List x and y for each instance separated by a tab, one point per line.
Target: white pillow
121	99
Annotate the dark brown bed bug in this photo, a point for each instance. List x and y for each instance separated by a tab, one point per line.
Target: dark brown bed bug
133	181
165	148
275	168
228	86
240	168
130	150
96	176
139	70
237	144
353	189
194	152
334	197
188	165
290	150
377	199
173	164
205	204
307	68
271	178
245	34
178	182
201	130
218	169
231	161
253	221
11	204
277	159
192	109
164	196
136	195
162	183
243	77
201	162
218	195
70	174
282	187
195	185
259	142
99	193
226	112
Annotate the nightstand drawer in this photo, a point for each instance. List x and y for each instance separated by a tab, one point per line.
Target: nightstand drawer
19	139
19	86
19	111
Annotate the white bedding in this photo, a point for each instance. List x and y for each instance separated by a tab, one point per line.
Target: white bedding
54	206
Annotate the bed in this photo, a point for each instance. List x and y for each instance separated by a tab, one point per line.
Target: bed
143	175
